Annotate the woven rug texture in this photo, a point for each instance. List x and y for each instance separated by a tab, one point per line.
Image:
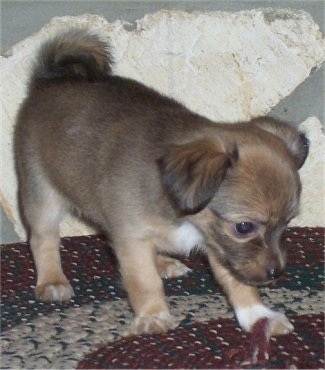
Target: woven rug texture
87	332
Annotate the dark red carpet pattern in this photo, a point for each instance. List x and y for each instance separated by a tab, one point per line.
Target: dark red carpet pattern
87	332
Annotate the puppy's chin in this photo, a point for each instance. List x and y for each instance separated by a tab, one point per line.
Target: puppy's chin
252	262
249	279
248	275
250	249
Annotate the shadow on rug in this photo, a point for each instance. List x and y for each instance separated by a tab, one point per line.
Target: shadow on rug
87	332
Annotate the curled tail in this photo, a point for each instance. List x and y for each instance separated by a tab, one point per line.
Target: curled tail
73	54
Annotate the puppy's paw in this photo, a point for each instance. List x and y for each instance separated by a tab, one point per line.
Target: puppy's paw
51	292
152	324
280	325
171	268
277	324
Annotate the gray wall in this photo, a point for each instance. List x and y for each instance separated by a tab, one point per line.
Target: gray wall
19	19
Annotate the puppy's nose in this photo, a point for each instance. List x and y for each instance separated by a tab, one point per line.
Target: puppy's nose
274	272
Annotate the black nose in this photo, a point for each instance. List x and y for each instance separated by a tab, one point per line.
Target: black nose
274	272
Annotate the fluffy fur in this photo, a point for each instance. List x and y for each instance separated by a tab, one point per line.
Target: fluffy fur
157	178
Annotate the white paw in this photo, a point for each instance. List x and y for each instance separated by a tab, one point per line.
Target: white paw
152	324
54	292
278	323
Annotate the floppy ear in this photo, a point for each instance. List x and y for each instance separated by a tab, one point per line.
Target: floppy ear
295	141
192	173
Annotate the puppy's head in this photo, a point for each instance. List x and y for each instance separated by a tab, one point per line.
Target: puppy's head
241	188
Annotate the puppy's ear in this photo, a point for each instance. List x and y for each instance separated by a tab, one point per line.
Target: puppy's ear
192	173
296	142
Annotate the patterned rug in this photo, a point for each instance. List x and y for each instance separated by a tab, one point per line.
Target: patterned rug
87	332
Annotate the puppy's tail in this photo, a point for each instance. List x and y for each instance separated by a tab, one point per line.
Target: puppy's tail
75	54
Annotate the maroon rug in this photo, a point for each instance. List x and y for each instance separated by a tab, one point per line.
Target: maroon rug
87	332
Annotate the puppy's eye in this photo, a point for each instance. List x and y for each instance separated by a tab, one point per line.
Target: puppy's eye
244	228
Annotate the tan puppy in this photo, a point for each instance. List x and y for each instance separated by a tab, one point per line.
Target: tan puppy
157	178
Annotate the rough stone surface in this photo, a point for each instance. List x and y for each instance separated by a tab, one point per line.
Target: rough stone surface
226	66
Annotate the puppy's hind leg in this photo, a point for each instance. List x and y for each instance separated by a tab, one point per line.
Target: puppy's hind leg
44	208
169	267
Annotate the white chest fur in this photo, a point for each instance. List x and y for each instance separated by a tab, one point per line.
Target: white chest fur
184	238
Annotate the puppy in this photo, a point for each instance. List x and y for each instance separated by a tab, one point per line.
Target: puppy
157	178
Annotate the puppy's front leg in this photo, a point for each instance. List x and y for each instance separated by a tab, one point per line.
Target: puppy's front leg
138	265
246	301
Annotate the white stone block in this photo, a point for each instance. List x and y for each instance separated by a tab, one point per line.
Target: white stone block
226	66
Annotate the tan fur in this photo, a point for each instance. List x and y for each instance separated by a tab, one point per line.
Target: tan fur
170	267
239	294
156	177
192	173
